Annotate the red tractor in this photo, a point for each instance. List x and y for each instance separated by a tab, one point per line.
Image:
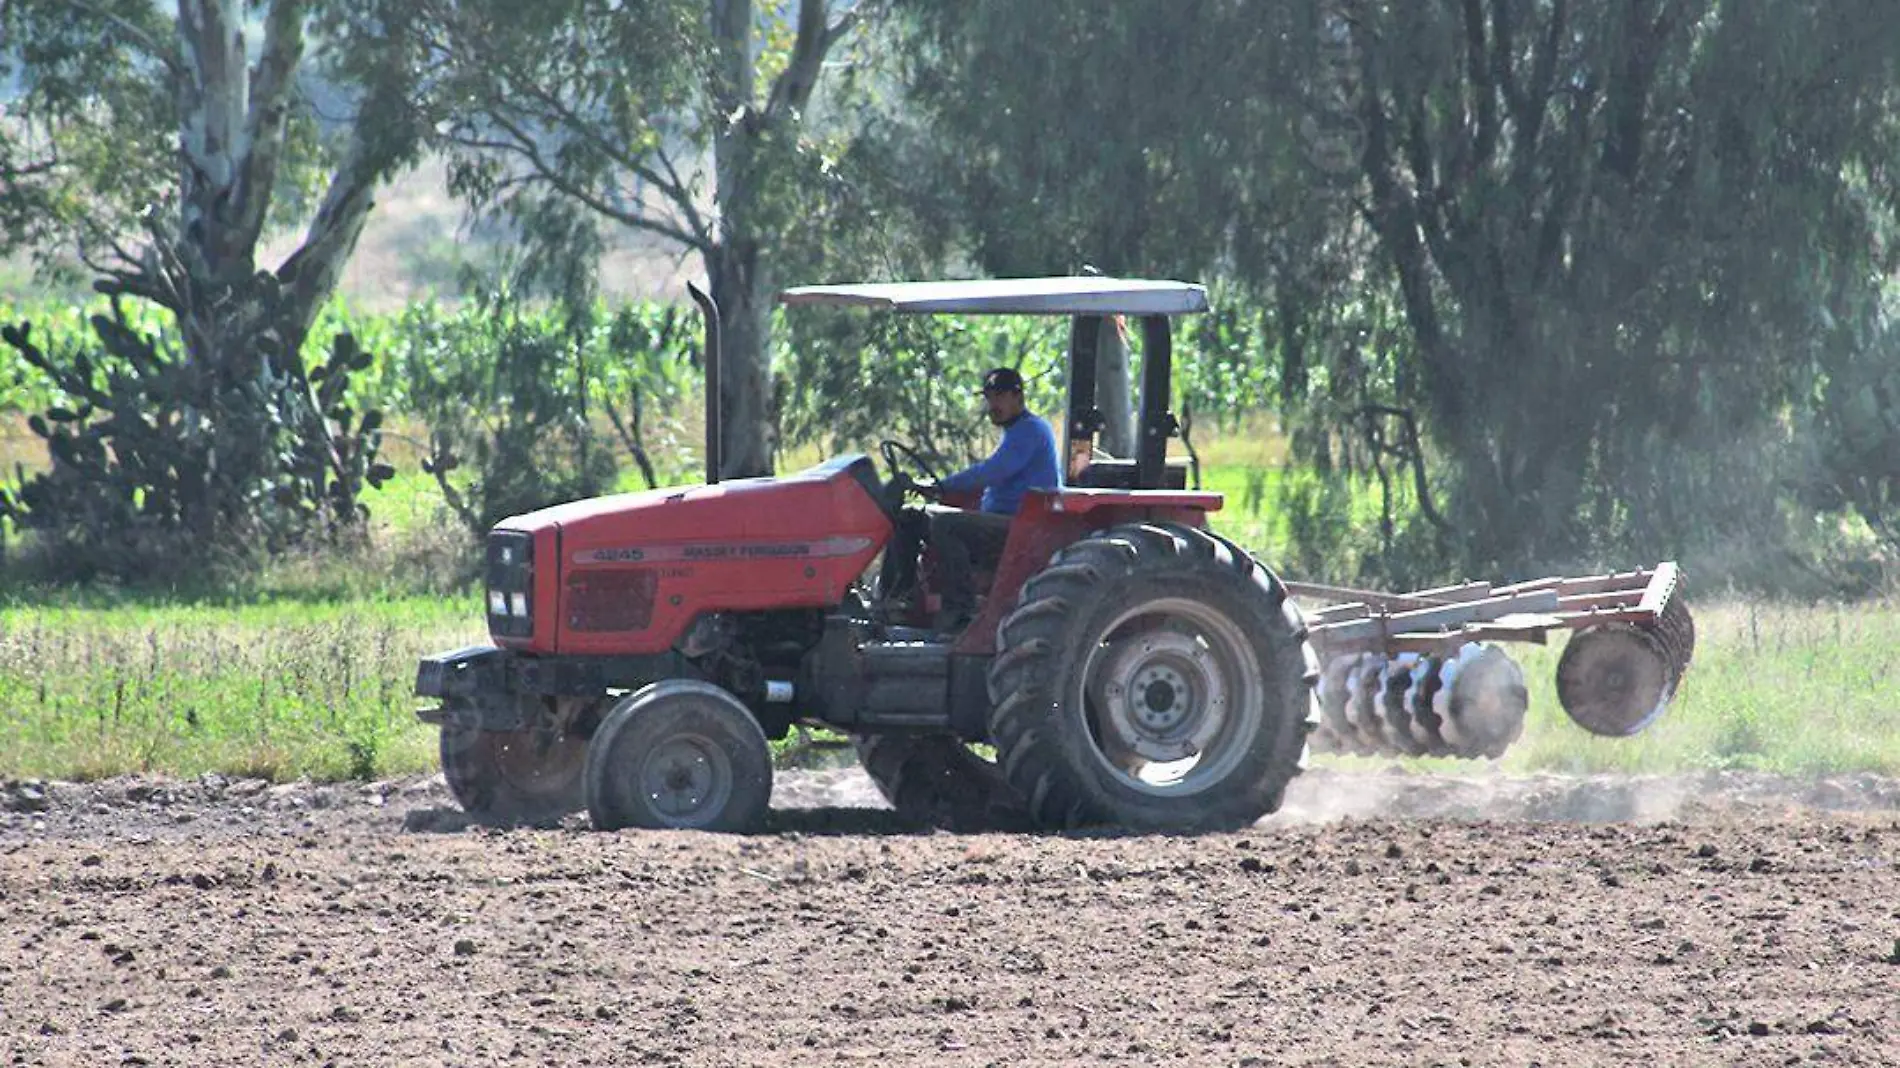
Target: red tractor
1128	666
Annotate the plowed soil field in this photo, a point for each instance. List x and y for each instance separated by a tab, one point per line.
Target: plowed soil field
1383	918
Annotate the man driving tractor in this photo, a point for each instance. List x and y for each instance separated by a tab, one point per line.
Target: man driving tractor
962	540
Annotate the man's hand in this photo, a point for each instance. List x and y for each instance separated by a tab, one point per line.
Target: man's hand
927	490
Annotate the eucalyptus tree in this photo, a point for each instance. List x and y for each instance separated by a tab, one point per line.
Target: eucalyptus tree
1628	236
1132	137
687	121
158	146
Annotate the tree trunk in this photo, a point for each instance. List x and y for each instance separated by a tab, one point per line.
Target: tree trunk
1114	391
231	139
745	310
735	262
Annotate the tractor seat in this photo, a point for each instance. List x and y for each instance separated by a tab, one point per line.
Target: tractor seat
1120	474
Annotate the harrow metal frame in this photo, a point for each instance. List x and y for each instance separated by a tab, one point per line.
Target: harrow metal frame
1440	620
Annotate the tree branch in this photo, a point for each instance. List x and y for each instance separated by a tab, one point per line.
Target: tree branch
1503	70
30	170
525	148
1479	68
131	31
1391	211
311	272
264	126
792	90
1412	453
634	437
566	118
693	218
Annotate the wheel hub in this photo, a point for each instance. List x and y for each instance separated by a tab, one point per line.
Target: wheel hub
685	775
1161	698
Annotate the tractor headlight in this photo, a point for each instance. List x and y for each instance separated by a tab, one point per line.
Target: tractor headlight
510	584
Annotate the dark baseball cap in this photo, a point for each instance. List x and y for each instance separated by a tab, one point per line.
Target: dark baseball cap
1003	380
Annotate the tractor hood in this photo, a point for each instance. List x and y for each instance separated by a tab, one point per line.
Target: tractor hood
631	571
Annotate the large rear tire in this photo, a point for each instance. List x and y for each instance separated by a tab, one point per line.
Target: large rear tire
529	776
935	780
1152	676
679	754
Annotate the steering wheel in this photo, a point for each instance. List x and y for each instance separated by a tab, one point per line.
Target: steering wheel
894	451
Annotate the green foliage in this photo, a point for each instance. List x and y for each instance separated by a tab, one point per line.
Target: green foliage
1620	234
1858	432
503	394
279	691
91	121
643	379
162	467
565	117
1140	138
1568	278
851	380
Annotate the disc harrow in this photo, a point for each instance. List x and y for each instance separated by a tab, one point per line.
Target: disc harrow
1422	673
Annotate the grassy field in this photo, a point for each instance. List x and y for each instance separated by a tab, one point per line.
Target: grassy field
323	690
279	690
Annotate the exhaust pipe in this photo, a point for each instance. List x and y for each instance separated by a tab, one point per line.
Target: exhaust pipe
712	360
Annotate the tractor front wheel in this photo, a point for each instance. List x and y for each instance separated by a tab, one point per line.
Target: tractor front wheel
1152	676
679	754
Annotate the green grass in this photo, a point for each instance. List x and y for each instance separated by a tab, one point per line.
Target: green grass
285	690
1793	689
274	690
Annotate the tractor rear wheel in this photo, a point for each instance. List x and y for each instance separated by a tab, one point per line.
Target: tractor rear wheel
525	776
1152	676
936	780
679	754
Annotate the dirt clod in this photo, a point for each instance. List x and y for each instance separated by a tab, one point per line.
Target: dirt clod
25	797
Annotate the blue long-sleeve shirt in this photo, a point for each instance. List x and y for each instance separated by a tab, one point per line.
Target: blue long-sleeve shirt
1024	460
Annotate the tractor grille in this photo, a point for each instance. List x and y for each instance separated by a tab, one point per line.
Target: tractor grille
610	600
510	593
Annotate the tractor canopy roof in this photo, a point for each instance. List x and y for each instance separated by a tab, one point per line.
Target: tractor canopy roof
1083	295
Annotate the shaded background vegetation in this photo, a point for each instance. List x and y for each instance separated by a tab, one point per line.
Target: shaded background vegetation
1502	286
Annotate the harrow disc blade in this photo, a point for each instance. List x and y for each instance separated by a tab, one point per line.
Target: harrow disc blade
1426	722
1675	629
1482	703
1614	680
1395	684
1334	734
1362	709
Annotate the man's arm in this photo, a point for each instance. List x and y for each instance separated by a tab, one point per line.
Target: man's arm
1012	454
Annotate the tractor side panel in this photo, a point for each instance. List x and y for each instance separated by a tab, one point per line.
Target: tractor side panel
631	582
1046	523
